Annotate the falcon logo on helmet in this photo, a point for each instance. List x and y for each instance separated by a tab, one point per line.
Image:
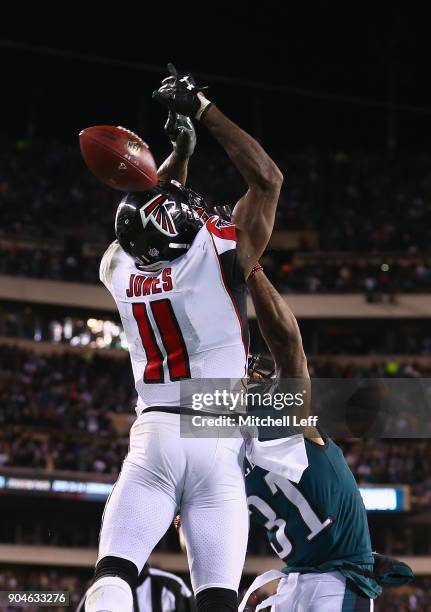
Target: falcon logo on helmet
161	224
157	210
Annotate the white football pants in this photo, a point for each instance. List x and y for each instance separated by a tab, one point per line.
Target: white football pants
202	478
325	592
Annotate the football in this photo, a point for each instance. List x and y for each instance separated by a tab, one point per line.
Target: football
118	157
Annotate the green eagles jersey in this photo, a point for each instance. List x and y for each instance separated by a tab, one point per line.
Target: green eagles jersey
318	524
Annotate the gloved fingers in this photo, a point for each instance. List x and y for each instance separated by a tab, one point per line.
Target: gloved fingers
171	125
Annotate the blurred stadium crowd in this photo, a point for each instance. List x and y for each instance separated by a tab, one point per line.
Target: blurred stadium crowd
341	205
357	203
359	224
385	462
34	323
323	275
71	411
414	597
38	580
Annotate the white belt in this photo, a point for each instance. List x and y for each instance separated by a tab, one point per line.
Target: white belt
278	601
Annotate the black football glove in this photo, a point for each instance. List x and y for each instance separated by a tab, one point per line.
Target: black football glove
181	94
181	133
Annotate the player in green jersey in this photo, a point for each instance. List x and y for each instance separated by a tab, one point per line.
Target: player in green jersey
319	526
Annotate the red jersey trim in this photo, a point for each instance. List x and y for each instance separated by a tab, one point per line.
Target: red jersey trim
228	291
221	228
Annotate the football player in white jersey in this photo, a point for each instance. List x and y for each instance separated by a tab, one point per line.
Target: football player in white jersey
177	274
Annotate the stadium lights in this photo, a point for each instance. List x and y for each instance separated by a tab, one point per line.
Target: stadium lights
376	498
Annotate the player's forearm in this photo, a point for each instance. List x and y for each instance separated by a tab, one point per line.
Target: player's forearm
255	165
174	168
278	326
280	330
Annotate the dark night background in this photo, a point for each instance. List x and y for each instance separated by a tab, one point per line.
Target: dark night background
352	50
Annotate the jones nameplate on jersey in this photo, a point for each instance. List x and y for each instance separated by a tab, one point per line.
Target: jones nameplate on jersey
140	284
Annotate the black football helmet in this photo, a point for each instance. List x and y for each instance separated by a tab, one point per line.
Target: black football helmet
161	224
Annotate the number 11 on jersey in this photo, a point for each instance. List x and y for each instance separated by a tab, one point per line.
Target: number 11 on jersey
172	340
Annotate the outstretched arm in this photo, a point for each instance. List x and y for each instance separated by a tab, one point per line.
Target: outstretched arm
254	213
173	169
279	327
280	331
182	134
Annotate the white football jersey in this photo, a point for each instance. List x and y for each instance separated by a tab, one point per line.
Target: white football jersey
186	321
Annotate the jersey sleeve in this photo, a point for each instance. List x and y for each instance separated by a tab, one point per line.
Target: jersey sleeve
224	238
110	260
223	234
